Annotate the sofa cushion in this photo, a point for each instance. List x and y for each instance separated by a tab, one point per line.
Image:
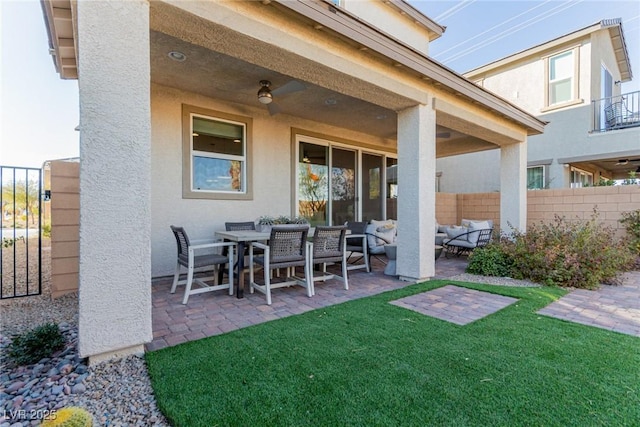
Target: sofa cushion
454	231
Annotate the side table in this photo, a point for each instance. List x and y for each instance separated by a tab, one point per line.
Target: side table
391	252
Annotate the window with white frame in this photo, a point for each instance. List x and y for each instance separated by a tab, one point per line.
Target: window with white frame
561	78
535	178
581	178
217	163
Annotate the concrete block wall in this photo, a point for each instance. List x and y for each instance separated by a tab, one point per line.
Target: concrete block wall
65	225
446	208
544	205
579	204
481	206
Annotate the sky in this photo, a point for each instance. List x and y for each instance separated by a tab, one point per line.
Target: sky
39	111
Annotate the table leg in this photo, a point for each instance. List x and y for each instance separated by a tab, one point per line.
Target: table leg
239	274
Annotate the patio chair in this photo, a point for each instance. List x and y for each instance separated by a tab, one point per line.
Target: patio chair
237	226
287	248
328	246
188	258
619	116
357	244
467	241
379	235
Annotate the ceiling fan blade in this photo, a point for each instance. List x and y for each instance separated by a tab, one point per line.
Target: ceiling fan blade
273	108
290	87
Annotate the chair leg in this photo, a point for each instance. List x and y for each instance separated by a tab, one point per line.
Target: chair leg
344	273
176	276
308	277
187	289
267	286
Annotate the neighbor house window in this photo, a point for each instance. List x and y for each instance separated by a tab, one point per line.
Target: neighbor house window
535	178
562	81
216	165
580	178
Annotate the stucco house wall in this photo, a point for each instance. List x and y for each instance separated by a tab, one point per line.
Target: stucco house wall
383	16
567	139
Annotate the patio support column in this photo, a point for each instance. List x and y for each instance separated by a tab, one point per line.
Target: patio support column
513	187
416	188
115	178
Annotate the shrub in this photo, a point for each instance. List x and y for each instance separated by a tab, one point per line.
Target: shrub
631	221
579	254
72	416
46	230
490	260
35	344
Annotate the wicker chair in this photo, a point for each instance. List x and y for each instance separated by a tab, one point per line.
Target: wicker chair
357	244
328	246
187	258
287	248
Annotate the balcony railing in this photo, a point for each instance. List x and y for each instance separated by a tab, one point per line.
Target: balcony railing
616	112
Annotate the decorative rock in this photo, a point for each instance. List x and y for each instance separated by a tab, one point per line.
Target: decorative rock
15	387
118	393
78	389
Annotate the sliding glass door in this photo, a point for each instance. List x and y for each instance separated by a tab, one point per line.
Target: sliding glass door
313	182
371	186
343	186
336	184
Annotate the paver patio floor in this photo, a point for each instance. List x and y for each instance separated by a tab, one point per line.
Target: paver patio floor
616	308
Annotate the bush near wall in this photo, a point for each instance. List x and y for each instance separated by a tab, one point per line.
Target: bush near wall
577	254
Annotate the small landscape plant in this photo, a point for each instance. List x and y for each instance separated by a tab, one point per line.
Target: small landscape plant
9	242
72	416
36	344
282	219
631	221
491	260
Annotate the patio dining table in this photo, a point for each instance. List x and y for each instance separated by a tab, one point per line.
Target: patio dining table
242	237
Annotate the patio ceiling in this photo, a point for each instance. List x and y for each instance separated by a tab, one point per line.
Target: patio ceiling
227	65
220	76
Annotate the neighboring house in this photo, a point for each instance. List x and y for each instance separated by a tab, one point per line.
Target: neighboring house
177	128
573	83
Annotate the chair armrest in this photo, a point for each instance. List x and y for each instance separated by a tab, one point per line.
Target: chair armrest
211	245
386	242
259	245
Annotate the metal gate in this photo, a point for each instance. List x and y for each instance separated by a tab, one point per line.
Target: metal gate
21	232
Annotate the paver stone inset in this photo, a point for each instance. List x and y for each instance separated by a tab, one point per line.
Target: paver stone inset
455	304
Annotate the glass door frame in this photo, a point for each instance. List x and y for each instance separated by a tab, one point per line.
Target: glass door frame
359	151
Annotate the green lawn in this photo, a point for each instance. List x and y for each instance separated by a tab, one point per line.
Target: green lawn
369	363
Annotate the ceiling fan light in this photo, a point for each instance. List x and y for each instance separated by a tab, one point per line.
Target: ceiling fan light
264	94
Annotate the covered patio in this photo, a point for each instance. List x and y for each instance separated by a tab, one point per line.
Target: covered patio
175	133
216	313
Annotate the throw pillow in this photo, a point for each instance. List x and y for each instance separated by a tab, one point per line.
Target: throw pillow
474	230
380	233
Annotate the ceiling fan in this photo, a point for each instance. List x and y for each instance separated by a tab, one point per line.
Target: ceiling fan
265	94
623	162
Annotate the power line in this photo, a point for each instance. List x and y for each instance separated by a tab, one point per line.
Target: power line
491	29
511	30
453	10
